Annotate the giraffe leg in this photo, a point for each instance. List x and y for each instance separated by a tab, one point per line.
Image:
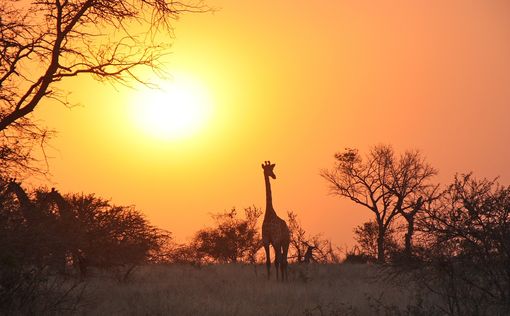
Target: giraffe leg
277	259
285	250
268	261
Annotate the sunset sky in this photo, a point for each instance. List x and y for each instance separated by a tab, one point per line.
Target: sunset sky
292	82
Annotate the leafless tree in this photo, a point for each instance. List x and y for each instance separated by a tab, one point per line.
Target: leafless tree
305	247
43	42
385	184
411	187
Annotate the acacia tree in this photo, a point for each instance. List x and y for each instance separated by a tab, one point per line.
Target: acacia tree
385	184
43	42
232	239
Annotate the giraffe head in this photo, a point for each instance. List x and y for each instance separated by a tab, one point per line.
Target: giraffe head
268	169
11	184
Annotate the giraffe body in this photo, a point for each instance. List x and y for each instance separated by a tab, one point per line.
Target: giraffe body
275	231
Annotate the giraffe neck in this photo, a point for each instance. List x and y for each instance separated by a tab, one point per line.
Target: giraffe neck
21	195
269	199
26	205
63	206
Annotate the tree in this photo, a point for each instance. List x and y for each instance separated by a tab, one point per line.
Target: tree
93	233
109	236
48	41
411	187
385	184
232	239
306	248
467	233
366	236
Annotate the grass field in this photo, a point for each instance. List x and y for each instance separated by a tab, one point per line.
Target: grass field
342	289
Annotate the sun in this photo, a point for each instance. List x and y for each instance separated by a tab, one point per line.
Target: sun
177	109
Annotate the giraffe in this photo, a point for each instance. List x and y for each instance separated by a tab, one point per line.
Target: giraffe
275	231
28	209
70	230
64	209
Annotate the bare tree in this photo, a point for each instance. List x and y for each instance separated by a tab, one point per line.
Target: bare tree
43	42
411	187
385	184
305	247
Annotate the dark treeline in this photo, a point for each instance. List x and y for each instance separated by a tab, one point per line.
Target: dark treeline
453	241
45	235
234	238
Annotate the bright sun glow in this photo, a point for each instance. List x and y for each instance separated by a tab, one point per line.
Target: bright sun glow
178	109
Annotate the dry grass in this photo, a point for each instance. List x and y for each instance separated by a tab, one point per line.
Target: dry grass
244	290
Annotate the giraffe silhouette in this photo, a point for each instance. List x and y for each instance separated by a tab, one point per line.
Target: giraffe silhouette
27	208
275	231
70	230
64	209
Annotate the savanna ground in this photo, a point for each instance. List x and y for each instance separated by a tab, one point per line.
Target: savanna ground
335	289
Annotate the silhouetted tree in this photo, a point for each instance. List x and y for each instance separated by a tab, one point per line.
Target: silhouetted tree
467	233
298	239
95	234
367	235
26	261
385	184
232	239
112	236
305	247
411	187
464	235
45	42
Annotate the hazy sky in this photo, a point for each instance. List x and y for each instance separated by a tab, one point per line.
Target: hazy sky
293	82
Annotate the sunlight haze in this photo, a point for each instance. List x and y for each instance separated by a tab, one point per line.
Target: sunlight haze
292	82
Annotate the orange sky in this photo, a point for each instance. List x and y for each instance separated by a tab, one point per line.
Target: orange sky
294	82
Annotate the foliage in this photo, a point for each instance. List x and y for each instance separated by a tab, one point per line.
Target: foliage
28	247
74	233
232	239
366	236
467	233
112	235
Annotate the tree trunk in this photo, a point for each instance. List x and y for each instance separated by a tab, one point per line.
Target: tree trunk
380	244
409	237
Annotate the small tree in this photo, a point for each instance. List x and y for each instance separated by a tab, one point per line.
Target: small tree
366	182
232	239
307	248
